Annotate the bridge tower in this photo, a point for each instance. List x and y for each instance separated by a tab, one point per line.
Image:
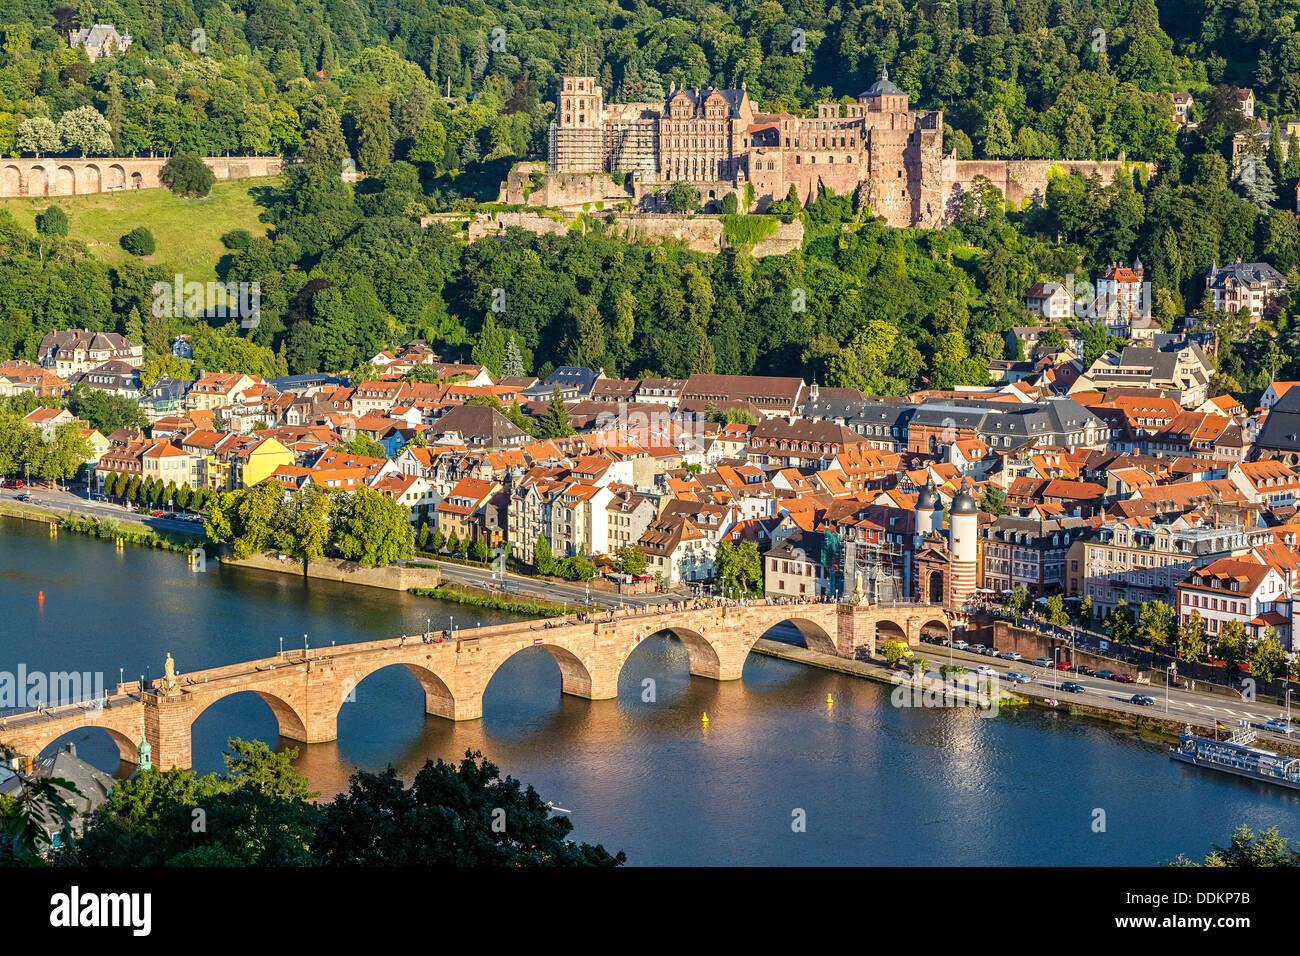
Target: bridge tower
964	545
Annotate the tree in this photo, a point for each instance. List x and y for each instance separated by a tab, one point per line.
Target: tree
86	131
1231	646
895	651
1119	624
994	501
37	135
490	349
1156	624
1249	849
1018	602
682	197
513	365
436	540
1191	638
1085	611
630	559
555	421
365	446
449	816
372	529
1268	659
257	814
1055	607
52	222
453	542
739	568
187	175
308	527
139	242
543	559
479	551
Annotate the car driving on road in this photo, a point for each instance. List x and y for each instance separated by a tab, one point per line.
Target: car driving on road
1279	725
1142	699
1017	678
1072	687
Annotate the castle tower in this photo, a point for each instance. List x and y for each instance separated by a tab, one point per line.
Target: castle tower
963	543
929	510
577	137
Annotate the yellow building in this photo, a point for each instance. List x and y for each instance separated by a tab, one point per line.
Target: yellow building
256	460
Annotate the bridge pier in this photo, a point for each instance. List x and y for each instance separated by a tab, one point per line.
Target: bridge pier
465	707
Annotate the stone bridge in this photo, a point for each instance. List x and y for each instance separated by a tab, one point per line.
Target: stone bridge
305	690
61	176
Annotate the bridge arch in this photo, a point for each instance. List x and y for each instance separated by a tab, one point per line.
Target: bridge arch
38	181
438	697
936	627
11	181
290	722
116	177
65	181
704	657
814	636
890	631
126	747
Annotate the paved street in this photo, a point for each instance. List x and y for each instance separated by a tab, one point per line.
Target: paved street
1185	705
68	500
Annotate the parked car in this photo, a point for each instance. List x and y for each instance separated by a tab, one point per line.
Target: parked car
1083	670
1106	675
960	645
985	671
1279	725
1063	665
156	514
1125	678
24	498
1017	678
1042	662
1072	687
1011	655
1142	699
977	649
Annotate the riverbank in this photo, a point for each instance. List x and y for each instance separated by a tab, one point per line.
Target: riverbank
392	578
105	529
490	600
1145	726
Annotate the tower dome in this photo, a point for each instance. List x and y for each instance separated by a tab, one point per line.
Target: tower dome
964	503
928	499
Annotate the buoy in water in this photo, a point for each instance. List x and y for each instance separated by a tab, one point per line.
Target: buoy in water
705	718
40	597
830	702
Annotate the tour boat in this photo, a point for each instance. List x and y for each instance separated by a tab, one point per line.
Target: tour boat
1235	755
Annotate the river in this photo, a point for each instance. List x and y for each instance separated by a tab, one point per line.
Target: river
873	784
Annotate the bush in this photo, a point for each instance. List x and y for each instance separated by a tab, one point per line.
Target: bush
187	175
52	222
730	204
139	242
237	240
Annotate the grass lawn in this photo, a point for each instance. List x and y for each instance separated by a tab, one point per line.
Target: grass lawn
188	231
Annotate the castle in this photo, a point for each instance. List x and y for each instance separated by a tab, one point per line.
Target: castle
717	141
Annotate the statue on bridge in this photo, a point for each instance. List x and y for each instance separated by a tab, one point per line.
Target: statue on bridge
859	593
170	683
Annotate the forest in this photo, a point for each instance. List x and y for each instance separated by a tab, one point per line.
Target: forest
434	101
